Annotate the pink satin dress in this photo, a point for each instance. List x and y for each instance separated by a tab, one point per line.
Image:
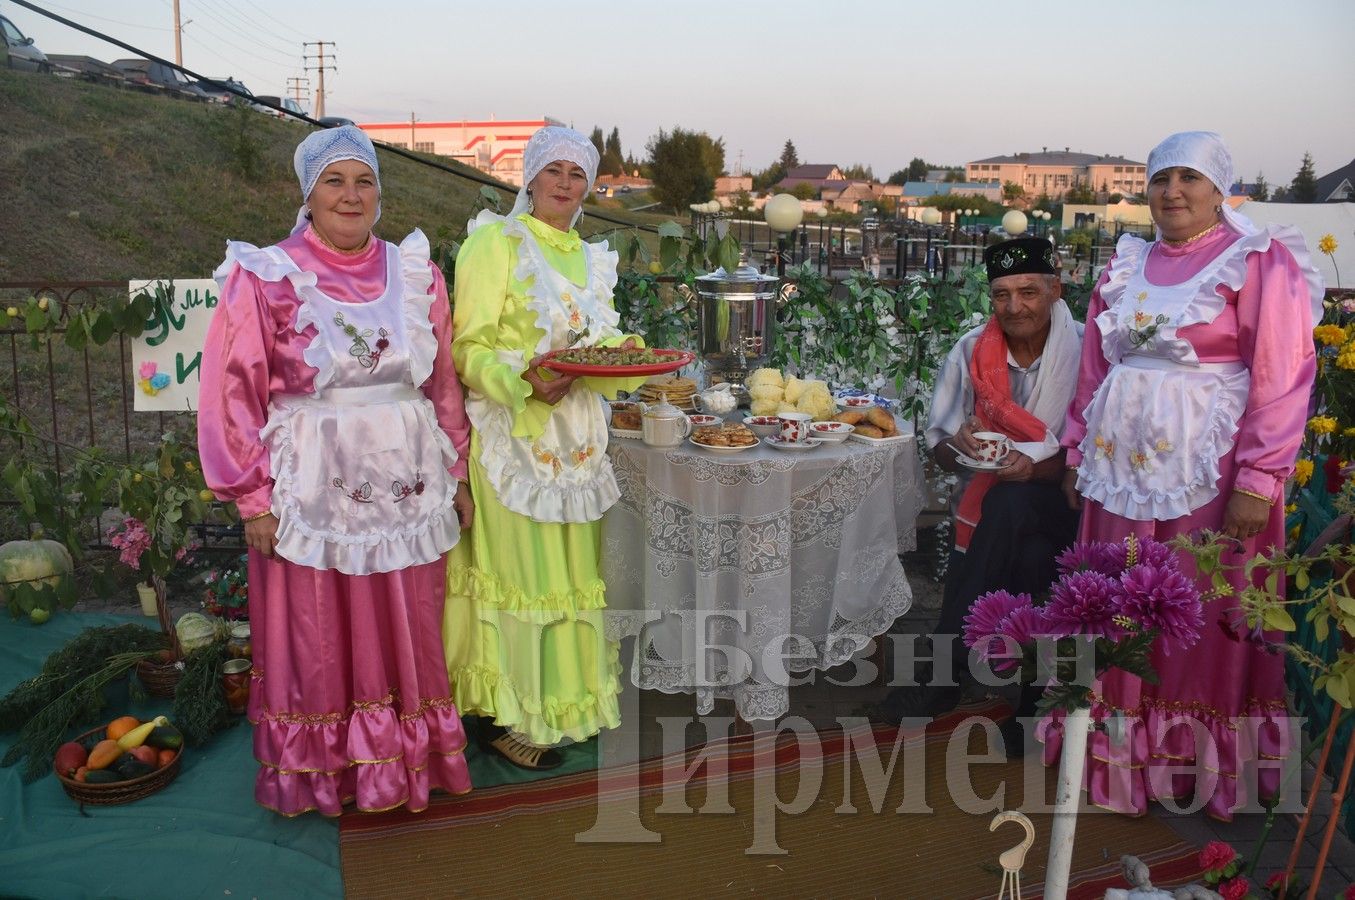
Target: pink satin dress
349	694
1218	708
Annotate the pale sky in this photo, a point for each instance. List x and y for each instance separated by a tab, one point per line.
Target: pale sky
852	81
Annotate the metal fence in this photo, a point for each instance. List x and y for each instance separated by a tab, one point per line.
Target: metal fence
892	249
79	398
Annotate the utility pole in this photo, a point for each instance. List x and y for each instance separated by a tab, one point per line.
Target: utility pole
411	131
319	66
296	85
178	37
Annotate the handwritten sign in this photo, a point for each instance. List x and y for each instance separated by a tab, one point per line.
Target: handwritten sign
167	358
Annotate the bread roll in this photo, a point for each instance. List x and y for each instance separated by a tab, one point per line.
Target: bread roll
869	431
851	416
881	420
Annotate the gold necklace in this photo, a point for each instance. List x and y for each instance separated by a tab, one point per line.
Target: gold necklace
1192	238
354	252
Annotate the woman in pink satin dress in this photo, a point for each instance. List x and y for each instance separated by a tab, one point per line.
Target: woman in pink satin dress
331	415
1197	365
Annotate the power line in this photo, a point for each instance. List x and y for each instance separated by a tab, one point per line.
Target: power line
466	174
254	38
202	23
275	21
112	21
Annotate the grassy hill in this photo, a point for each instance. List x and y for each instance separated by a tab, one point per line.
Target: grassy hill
105	184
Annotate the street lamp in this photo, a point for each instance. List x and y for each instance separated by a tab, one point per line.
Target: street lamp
931	216
1014	222
783	214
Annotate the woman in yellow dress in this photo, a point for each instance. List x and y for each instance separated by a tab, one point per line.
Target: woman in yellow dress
526	649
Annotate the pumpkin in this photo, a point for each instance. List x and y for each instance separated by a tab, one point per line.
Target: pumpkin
40	564
194	630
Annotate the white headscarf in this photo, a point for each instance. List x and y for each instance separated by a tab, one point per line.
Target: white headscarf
551	144
1205	152
323	148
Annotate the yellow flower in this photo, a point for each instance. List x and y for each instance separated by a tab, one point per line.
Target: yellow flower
1327	244
1291	509
1330	335
1349	432
1346	359
1303	470
1322	425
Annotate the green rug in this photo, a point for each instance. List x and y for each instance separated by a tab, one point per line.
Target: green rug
203	836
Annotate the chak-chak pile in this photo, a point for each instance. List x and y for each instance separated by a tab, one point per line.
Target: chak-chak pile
771	393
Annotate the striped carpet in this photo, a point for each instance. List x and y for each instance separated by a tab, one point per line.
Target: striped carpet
922	835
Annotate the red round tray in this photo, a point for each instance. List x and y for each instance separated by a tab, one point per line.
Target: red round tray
674	360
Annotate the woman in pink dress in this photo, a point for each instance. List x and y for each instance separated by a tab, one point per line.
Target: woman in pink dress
1197	364
331	414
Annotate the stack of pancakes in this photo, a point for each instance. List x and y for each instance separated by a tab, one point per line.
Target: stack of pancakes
677	389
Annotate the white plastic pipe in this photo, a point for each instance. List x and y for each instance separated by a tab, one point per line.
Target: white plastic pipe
1072	760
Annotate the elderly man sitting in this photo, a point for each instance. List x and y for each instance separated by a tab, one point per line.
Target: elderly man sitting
1013	375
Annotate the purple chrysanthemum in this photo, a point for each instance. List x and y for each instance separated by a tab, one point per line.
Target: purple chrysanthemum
1021	626
987	613
1079	558
1157	554
1161	598
1084	603
1110	557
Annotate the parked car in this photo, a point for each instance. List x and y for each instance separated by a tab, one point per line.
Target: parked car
213	89
144	71
335	121
19	50
286	103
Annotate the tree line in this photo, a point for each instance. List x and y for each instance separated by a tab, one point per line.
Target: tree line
684	163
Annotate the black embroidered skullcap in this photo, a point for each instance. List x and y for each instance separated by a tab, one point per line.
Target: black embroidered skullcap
1020	256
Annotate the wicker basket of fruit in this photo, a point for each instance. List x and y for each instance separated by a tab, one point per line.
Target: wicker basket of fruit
120	762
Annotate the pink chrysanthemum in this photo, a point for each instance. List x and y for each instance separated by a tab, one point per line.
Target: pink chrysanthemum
1022	625
1156	553
1163	599
1079	558
986	615
1084	603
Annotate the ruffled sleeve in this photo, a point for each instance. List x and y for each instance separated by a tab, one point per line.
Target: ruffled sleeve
484	269
233	401
1092	369
1275	341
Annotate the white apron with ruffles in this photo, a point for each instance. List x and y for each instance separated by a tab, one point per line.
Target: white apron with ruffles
361	468
564	474
1160	423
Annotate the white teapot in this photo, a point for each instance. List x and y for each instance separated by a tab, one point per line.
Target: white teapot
717	400
663	424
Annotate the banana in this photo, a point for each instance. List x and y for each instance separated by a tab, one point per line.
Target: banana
137	736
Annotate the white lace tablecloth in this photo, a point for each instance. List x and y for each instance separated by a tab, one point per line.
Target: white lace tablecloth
795	553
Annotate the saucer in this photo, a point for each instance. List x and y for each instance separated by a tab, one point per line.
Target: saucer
776	443
970	463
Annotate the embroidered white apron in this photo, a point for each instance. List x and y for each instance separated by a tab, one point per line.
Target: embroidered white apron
563	475
1161	421
361	467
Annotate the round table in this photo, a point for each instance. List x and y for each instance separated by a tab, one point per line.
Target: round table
780	561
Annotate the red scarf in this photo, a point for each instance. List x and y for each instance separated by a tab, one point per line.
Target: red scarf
995	409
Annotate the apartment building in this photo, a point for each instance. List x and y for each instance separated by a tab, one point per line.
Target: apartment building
1054	172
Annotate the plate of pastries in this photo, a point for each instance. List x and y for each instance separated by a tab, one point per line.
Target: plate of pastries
731	437
872	425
